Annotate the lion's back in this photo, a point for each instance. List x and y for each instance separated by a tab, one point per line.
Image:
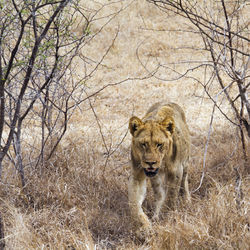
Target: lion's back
161	110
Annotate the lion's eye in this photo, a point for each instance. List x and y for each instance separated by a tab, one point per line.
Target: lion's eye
143	145
159	145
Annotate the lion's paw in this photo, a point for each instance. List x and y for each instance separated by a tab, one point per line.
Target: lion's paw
144	232
155	218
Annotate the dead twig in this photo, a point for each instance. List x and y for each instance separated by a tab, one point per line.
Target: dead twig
2	240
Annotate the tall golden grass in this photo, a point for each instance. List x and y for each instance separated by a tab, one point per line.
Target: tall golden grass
79	199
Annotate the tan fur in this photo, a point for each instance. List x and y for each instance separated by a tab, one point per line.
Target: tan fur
160	141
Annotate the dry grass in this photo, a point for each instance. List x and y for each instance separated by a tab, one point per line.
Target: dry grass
76	204
79	200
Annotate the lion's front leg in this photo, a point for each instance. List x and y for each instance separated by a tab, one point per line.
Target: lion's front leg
184	191
173	180
159	192
136	196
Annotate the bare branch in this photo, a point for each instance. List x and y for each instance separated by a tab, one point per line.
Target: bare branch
2	240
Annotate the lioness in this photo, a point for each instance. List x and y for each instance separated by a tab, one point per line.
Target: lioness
160	151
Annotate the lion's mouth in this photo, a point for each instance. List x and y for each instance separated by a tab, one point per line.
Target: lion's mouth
151	172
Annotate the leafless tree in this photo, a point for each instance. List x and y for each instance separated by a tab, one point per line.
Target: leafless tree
38	90
2	241
223	26
32	66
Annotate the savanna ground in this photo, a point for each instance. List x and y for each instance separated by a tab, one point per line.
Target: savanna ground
79	200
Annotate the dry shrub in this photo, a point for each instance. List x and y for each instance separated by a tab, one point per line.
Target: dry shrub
67	203
76	202
213	223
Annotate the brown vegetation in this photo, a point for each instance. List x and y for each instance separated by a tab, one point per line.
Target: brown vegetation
79	200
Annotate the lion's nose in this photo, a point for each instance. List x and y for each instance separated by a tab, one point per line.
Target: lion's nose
150	163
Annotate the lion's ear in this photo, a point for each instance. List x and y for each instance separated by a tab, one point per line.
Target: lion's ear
134	124
168	124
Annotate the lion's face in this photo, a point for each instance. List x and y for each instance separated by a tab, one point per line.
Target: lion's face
151	142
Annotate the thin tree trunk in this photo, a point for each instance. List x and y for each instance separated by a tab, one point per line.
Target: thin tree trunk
2	241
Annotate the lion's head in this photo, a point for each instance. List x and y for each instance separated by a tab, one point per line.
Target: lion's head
151	142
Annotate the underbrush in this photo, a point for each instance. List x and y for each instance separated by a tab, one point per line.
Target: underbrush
78	202
78	199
